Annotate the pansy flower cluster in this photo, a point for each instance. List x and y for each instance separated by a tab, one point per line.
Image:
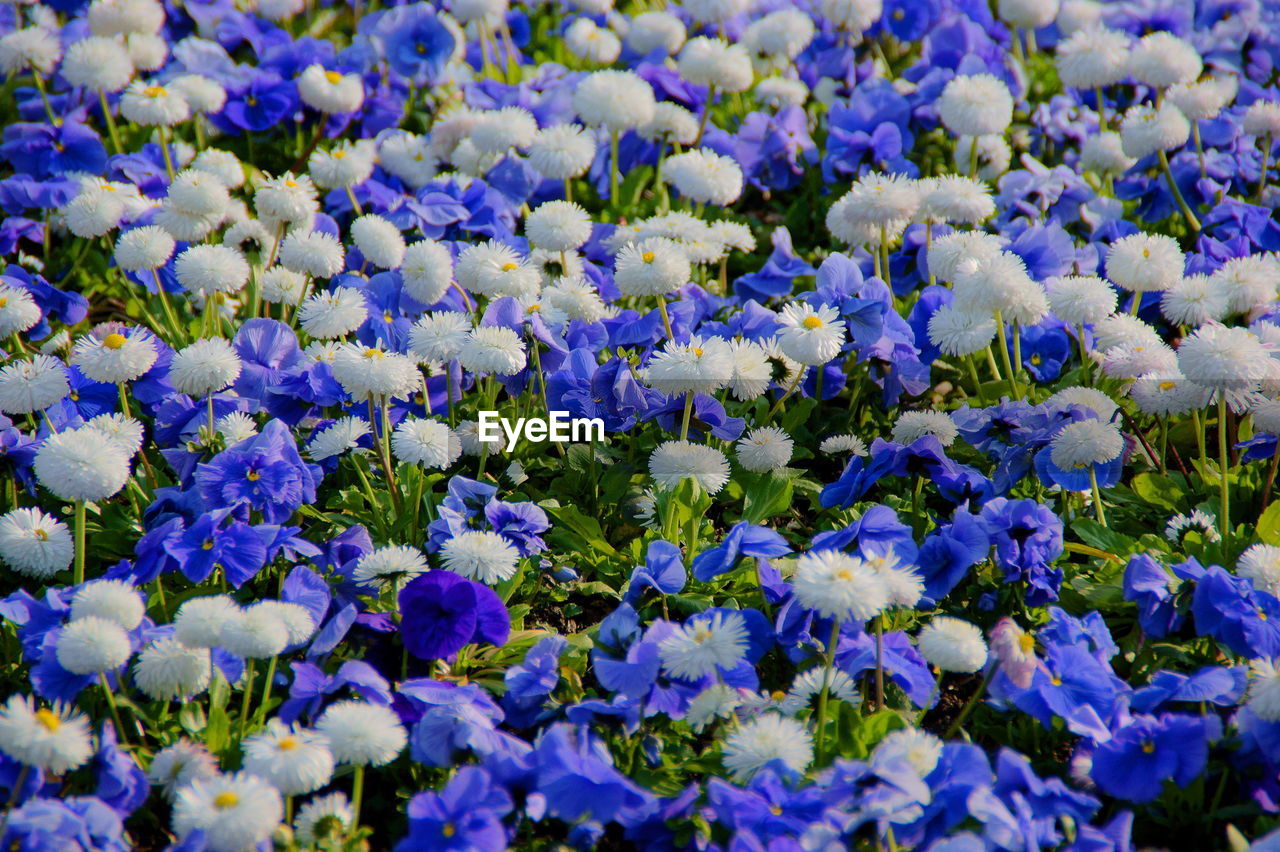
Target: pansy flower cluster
718	425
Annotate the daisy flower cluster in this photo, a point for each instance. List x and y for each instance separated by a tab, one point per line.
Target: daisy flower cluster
721	425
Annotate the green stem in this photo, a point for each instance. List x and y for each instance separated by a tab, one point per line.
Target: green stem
382	446
170	316
1201	426
879	697
1192	221
1097	495
973	376
112	130
115	711
261	715
245	696
80	523
1085	361
168	155
1004	357
971	703
792	389
613	168
666	318
828	664
688	415
48	110
357	793
706	114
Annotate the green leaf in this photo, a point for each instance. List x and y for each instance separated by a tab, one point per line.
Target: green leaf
217	733
588	529
867	731
219	692
766	496
1269	525
1096	535
1157	490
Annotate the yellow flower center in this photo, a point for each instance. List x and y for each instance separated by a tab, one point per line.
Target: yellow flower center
226	800
42	535
647	257
1148	747
1055	680
509	266
288	744
4	301
373	353
253	476
697	352
208	544
1026	642
333	77
812	322
154	91
448	829
48	719
1168	385
114	340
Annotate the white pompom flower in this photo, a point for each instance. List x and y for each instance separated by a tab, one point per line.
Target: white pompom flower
976	105
35	543
81	465
765	449
952	644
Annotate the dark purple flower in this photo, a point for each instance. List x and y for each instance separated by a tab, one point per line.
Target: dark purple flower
441	611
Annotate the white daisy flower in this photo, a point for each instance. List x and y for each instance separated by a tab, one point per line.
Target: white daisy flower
952	644
837	585
92	645
295	760
480	555
701	645
34	543
53	739
765	449
392	565
167	669
361	733
810	336
675	461
235	812
764	739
